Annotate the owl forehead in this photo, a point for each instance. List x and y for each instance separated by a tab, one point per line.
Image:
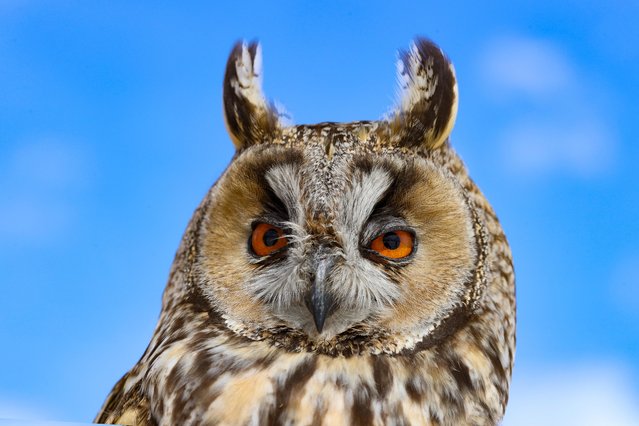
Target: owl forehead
323	166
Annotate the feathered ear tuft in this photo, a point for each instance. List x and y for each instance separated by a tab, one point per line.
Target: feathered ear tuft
250	118
428	97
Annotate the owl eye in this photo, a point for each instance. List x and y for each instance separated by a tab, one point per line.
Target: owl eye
394	244
267	239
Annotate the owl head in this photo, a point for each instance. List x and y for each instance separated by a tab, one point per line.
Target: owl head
339	237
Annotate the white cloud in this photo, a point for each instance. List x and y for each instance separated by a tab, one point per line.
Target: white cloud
48	161
28	218
523	66
583	394
10	408
560	123
580	148
38	180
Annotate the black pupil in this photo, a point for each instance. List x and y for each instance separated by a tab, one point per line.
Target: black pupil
391	240
270	237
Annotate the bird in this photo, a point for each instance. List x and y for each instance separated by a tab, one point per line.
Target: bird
335	274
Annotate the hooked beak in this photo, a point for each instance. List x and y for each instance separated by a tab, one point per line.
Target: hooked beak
319	301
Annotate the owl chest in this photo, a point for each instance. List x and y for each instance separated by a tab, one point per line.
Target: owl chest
249	388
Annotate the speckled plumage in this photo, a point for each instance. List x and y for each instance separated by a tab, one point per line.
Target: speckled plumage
426	340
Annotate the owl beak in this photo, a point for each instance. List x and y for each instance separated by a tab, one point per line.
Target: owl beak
319	301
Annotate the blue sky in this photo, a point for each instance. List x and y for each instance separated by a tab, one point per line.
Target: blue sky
111	132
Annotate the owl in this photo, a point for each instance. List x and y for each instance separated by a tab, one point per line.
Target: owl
335	274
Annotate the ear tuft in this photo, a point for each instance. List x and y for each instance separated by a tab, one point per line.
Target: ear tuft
428	97
250	118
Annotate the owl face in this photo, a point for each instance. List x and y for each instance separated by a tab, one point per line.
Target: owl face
337	230
322	244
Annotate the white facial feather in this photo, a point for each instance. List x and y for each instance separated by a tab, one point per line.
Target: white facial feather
360	287
285	182
358	202
359	284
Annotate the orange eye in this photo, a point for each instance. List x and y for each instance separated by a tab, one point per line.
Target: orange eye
267	239
394	244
